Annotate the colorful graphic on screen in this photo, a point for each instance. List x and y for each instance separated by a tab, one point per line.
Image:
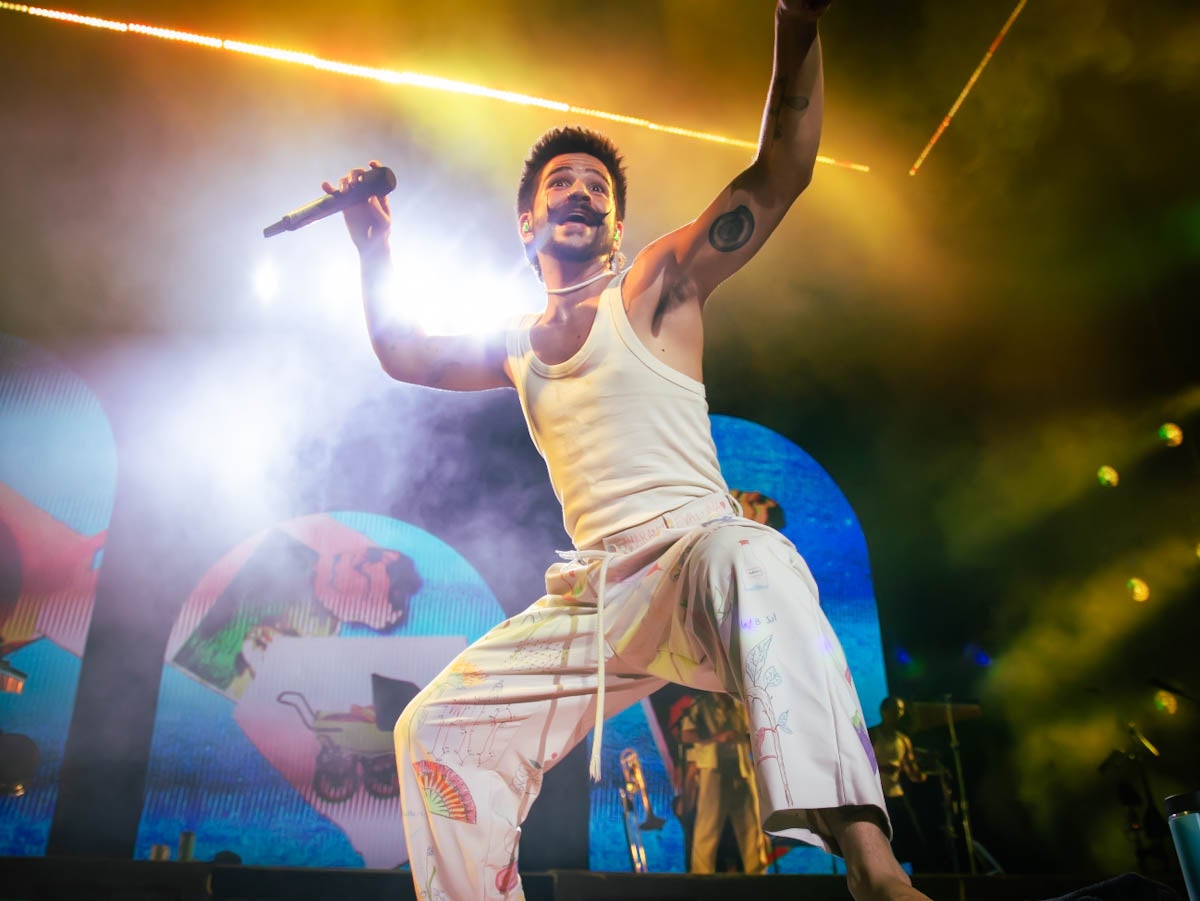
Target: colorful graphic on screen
58	476
284	674
778	483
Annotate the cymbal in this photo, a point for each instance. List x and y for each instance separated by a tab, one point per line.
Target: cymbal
930	714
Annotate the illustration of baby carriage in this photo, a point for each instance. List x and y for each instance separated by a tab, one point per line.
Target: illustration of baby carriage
356	745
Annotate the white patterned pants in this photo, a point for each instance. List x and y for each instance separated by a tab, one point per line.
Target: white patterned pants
726	605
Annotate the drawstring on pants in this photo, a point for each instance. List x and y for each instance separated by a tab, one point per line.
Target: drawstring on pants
690	515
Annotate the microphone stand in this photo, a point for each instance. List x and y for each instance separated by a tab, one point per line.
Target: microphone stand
963	809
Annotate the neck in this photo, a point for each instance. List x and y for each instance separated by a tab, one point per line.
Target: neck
603	273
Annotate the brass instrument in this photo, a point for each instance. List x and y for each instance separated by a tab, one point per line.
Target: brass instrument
633	791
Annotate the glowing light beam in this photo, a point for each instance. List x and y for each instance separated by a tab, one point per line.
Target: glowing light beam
966	90
390	77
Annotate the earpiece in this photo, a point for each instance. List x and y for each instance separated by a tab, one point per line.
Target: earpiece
526	227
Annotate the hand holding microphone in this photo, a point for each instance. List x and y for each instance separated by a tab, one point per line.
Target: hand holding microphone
360	194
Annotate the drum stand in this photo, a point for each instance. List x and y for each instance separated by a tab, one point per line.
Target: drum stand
964	812
975	851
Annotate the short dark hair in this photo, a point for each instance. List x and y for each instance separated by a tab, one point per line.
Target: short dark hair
572	139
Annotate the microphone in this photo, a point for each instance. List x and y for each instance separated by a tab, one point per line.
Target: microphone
375	183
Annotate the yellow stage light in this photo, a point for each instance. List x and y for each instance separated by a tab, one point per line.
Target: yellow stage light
73	18
966	90
1165	702
388	76
1171	434
168	34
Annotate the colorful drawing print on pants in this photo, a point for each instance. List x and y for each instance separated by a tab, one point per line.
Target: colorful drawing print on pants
285	672
58	475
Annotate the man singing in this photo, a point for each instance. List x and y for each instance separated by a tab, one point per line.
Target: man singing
666	582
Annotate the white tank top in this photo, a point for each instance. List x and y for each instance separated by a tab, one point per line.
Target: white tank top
625	436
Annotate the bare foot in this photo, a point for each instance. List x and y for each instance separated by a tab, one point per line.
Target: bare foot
872	872
895	888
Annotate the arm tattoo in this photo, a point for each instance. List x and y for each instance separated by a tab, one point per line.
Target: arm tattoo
795	102
731	230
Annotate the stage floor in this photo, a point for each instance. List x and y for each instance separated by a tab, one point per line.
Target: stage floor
79	879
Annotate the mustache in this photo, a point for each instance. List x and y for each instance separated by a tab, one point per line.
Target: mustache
589	213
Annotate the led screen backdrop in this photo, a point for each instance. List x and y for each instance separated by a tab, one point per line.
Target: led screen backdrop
286	670
58	475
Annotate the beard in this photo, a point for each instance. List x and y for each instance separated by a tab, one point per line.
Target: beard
600	247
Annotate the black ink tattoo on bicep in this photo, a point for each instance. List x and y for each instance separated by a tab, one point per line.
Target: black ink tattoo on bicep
796	102
731	230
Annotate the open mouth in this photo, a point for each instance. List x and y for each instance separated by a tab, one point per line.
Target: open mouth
578	216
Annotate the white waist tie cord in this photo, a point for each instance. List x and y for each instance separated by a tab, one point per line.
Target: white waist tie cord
695	511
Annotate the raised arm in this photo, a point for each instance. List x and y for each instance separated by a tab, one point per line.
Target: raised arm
455	363
691	261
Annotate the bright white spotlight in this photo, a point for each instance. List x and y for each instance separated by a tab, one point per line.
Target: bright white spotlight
441	289
266	282
443	296
484	302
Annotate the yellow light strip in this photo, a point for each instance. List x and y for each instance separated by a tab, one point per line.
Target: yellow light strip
966	90
168	34
388	76
73	18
